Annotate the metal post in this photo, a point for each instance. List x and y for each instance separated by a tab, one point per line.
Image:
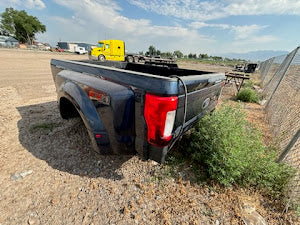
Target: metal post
289	146
284	73
267	68
278	70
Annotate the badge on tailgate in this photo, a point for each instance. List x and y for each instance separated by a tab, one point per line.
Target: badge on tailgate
205	103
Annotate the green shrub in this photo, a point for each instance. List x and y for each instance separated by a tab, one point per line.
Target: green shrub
247	95
231	152
248	84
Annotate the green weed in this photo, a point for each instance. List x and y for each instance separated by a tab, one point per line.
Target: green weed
230	151
247	95
249	84
42	126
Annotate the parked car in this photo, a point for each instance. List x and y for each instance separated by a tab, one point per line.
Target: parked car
80	50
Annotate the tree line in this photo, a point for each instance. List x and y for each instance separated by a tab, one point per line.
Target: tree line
152	51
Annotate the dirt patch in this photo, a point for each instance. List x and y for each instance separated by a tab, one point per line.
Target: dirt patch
49	175
204	67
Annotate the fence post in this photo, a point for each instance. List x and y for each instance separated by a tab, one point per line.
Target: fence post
278	70
266	69
289	146
284	73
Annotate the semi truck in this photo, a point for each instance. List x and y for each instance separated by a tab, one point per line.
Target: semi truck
114	50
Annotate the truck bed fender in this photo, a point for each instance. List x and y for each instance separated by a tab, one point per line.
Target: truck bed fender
88	113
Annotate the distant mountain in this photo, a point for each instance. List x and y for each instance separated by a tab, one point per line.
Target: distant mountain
255	55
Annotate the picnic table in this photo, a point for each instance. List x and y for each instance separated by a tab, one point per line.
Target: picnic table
237	78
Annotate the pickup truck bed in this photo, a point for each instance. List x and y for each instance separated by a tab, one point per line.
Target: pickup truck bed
129	107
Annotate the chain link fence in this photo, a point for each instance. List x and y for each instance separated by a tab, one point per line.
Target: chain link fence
280	77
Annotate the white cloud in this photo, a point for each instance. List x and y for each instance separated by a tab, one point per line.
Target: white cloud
263	7
200	24
183	9
246	31
253	43
245	37
240	32
262	39
38	4
105	13
103	19
208	10
31	4
93	20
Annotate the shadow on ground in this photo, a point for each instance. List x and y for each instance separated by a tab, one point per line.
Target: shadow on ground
64	144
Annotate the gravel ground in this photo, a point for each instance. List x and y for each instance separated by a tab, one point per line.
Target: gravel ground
49	175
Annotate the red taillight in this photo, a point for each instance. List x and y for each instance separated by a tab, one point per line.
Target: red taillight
95	95
98	96
160	116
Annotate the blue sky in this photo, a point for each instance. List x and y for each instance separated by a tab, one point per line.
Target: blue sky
197	26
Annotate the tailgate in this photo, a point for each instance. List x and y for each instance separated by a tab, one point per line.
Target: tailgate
203	93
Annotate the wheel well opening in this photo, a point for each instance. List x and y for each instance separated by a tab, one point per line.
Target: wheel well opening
67	109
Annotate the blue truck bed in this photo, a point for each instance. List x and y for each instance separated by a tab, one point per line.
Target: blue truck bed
134	108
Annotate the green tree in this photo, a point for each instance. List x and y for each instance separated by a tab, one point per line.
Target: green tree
217	58
178	54
203	56
152	50
19	24
192	56
166	54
